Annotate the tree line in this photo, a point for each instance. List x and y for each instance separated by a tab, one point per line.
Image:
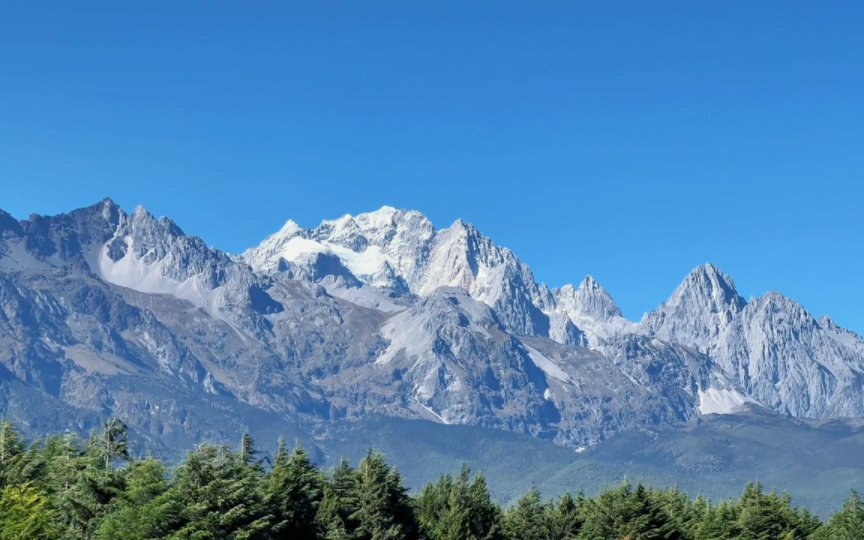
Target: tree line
62	487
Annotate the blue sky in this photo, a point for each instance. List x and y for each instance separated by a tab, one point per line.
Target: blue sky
628	140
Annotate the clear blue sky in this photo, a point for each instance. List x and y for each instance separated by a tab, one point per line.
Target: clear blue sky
629	140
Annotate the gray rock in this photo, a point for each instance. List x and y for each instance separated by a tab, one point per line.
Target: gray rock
107	313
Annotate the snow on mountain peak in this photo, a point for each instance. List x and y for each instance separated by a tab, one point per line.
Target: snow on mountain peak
769	350
291	228
400	249
404	245
383	217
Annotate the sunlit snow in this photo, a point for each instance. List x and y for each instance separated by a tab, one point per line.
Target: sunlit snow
404	332
547	366
431	411
135	274
716	401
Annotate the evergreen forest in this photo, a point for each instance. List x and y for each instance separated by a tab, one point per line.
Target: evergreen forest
64	487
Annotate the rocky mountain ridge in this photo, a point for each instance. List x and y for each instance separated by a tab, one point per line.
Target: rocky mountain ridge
104	312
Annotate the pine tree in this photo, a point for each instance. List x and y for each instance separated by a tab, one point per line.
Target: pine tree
762	516
11	446
143	510
340	503
59	489
13	459
114	442
81	489
454	522
719	522
644	517
625	512
432	504
443	509
566	519
247	449
847	524
485	516
25	514
293	491
384	509
603	513
686	515
218	493
527	519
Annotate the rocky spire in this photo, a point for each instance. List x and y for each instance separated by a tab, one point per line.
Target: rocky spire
704	304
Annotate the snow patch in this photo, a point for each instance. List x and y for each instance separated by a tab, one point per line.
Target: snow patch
379	219
291	228
297	246
366	297
431	411
546	365
405	332
363	265
716	401
135	274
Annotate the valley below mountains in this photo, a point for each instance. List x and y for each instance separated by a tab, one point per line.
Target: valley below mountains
379	328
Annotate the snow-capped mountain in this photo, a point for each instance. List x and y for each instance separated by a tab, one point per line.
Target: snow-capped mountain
381	314
401	250
705	312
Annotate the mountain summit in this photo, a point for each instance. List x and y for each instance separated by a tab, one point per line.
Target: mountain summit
379	314
702	307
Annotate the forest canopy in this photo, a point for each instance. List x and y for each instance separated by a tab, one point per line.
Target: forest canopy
63	487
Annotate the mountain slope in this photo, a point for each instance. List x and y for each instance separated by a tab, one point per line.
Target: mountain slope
104	312
770	347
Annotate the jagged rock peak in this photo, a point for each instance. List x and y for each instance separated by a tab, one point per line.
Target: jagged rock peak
142	221
710	281
9	223
703	305
589	300
828	323
778	304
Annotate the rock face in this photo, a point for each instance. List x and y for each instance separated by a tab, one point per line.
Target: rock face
774	351
401	251
108	313
591	308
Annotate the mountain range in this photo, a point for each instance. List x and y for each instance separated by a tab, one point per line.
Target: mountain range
380	315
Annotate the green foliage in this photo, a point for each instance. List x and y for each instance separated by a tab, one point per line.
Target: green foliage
847	524
218	491
384	510
144	509
337	513
293	491
624	512
528	519
25	513
457	509
59	488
